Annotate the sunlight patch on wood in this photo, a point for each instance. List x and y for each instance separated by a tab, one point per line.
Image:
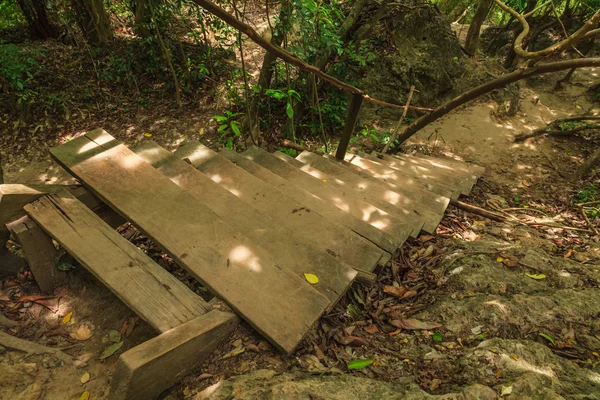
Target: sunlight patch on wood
243	255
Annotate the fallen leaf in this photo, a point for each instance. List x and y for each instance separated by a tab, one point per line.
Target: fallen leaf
359	364
476	330
511	262
252	347
397	291
596	354
414	324
67	318
128	326
397	331
110	350
499	259
235	352
435	383
568	254
311	278
350	340
437	337
85	396
525	183
536	276
85	377
148	134
426	238
114	336
547	337
371	329
506	390
410	293
83	333
324	180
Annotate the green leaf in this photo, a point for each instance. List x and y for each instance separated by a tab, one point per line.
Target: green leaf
114	336
220	118
374	138
359	364
547	337
235	129
437	337
289	110
222	127
110	350
536	276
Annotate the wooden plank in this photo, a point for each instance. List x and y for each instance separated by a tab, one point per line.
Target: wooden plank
419	168
395	230
405	180
329	211
144	372
413	220
334	276
456	165
148	289
274	300
40	253
411	205
314	228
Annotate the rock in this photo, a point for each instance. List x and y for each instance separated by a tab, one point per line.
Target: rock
478	392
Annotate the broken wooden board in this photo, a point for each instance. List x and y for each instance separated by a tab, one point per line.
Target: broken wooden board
145	371
334	276
148	289
425	204
273	299
422	169
332	214
303	219
391	227
39	252
324	169
403	179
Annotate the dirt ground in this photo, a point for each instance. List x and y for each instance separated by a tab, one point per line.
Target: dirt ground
499	309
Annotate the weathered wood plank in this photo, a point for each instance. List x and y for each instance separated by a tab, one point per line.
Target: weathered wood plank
311	226
387	174
40	253
408	204
145	371
334	276
331	213
456	165
424	170
325	172
148	289
274	300
392	227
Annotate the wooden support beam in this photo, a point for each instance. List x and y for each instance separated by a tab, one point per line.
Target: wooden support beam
353	111
39	251
148	369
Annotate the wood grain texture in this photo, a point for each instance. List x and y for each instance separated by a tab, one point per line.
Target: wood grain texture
148	289
145	371
302	219
334	276
391	227
39	252
421	205
324	171
387	174
263	291
475	170
323	208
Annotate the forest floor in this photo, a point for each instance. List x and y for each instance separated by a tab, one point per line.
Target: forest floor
505	309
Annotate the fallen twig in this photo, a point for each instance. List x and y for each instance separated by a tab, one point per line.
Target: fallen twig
26	346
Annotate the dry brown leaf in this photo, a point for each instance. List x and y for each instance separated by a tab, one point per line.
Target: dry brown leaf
83	333
414	324
397	291
410	293
371	329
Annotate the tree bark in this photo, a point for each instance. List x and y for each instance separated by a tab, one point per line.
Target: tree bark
41	21
472	42
93	20
588	164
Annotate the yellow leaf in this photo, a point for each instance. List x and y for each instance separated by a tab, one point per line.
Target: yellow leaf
311	278
67	318
85	396
85	377
324	180
499	259
536	276
148	134
596	354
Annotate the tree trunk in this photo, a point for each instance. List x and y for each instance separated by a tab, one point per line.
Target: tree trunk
143	18
472	42
588	164
43	23
93	20
511	58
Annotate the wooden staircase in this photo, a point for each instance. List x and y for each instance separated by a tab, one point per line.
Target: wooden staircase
248	226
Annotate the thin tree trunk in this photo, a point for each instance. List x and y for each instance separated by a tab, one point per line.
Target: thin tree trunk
41	21
588	164
93	20
472	42
510	60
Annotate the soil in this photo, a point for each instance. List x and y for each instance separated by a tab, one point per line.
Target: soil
502	309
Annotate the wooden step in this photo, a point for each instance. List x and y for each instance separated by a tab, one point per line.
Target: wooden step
334	276
424	169
395	230
310	226
274	300
413	221
387	174
148	289
456	165
409	205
